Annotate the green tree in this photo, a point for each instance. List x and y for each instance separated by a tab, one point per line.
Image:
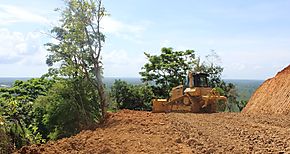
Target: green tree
232	95
134	97
5	141
210	67
15	109
242	104
79	46
66	111
167	69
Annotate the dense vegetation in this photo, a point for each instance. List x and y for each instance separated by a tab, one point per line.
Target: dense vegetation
18	123
167	69
78	50
74	97
129	96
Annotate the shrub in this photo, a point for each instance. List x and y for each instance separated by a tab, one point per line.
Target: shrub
134	97
69	107
5	140
15	107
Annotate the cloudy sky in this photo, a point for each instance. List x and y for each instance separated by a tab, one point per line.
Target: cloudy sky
252	37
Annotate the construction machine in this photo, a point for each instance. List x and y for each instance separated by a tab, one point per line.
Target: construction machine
195	95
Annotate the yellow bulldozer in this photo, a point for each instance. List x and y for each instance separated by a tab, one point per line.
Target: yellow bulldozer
194	96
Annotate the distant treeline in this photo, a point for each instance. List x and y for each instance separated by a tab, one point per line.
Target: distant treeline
6	81
245	87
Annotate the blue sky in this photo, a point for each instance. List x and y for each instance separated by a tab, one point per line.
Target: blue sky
252	37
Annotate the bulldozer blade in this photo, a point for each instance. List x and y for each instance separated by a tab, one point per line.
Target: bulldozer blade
158	105
162	105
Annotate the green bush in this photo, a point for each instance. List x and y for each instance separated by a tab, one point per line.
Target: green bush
5	143
5	140
134	97
69	107
38	110
16	108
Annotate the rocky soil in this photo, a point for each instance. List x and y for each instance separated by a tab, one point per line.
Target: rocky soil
145	132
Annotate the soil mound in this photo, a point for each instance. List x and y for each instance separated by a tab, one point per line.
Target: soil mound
125	132
272	97
145	132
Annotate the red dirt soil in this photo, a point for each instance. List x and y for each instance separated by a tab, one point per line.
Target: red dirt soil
272	97
145	132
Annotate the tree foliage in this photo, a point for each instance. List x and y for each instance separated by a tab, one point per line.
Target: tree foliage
231	93
167	69
210	67
6	146
134	97
74	99
15	109
77	53
65	111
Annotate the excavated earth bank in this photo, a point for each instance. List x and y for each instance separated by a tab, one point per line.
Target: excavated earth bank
145	132
272	97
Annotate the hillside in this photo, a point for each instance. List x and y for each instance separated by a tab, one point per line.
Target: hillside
273	96
146	132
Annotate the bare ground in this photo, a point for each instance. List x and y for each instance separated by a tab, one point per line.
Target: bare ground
145	132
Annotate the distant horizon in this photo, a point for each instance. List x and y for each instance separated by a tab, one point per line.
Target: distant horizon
244	86
19	77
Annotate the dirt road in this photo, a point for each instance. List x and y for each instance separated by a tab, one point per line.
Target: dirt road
145	132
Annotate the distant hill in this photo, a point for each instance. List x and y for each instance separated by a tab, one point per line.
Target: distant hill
109	81
245	87
8	81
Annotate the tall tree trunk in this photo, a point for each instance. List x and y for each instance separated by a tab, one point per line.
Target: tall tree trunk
98	68
102	94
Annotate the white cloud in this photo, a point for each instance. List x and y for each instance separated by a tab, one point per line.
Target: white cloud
124	30
12	14
254	64
26	49
119	63
16	47
165	43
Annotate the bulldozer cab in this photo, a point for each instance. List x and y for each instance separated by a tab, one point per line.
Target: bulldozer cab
200	80
196	80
